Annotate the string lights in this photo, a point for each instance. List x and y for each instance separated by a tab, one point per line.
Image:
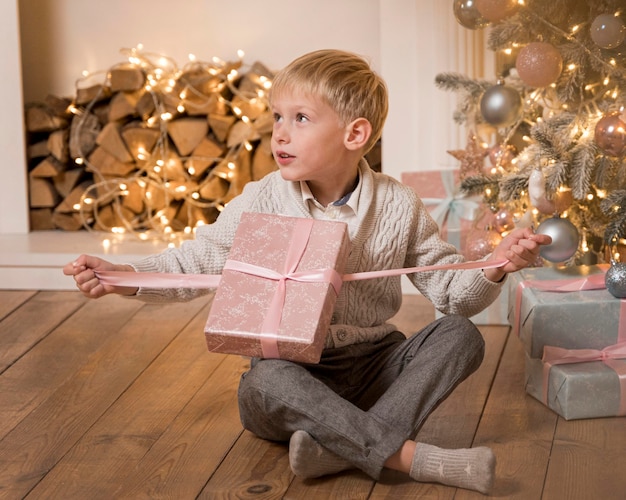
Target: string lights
168	147
567	60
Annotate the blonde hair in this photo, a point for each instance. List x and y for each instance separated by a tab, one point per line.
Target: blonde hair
344	81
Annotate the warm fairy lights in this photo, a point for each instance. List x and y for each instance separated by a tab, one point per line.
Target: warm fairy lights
573	128
171	187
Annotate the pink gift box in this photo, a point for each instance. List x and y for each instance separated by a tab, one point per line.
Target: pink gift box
276	295
439	191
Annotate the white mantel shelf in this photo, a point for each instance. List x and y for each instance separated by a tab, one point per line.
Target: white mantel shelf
34	261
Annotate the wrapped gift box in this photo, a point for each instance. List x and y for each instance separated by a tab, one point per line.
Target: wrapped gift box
587	319
579	390
453	212
256	315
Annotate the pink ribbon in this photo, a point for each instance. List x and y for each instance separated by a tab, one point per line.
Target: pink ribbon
609	355
560	356
298	244
593	282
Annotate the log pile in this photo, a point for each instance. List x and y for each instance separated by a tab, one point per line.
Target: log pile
147	151
151	150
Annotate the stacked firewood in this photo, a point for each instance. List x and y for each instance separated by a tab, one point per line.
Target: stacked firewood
147	152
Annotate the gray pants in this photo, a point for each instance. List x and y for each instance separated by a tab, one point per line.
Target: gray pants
362	401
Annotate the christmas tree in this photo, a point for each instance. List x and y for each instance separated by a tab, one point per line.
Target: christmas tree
547	138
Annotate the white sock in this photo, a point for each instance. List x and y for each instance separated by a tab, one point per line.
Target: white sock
309	459
469	468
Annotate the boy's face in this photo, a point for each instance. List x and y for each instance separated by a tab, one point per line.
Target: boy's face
308	141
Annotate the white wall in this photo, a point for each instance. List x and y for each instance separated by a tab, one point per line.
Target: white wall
61	38
408	41
14	200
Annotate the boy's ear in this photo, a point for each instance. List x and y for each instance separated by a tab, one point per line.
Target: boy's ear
358	133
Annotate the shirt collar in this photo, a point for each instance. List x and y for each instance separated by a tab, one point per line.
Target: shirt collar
349	200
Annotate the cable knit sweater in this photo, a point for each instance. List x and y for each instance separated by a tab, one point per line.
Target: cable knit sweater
394	230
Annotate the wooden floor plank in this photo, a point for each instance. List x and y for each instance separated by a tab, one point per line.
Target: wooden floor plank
72	408
254	468
62	353
588	460
11	300
354	485
183	459
32	321
518	428
125	433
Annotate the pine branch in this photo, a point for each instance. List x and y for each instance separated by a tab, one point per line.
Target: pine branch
583	166
457	82
512	186
614	207
606	172
503	32
557	175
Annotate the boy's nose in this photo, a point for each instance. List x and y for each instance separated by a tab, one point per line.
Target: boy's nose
280	134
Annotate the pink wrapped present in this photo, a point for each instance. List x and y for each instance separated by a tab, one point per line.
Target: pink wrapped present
439	191
278	288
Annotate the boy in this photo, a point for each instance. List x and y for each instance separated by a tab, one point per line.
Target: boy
364	403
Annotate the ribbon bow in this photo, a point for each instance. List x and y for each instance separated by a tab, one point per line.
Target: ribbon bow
454	207
609	355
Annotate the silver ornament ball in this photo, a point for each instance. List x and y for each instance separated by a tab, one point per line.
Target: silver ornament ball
500	105
615	280
564	236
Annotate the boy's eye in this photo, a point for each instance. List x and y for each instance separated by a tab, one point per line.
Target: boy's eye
277	117
301	118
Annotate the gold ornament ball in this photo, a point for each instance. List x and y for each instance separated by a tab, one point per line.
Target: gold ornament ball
539	64
610	134
467	14
608	31
496	10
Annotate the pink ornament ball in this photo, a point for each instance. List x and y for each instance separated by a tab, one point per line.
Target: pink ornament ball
610	134
503	220
481	243
539	64
608	31
502	156
496	10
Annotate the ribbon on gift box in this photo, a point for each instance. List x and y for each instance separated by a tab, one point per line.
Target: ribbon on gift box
449	211
609	355
592	282
558	355
302	231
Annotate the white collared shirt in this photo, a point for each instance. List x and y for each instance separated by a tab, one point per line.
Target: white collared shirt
344	209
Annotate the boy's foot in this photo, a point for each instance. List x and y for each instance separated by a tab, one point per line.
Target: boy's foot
469	468
309	459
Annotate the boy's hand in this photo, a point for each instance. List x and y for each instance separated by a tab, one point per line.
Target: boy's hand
521	248
84	270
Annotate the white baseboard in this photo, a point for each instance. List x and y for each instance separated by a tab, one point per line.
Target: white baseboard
34	261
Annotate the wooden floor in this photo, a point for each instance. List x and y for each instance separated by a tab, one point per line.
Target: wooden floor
118	399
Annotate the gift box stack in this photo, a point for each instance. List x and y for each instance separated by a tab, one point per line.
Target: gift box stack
456	216
574	336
